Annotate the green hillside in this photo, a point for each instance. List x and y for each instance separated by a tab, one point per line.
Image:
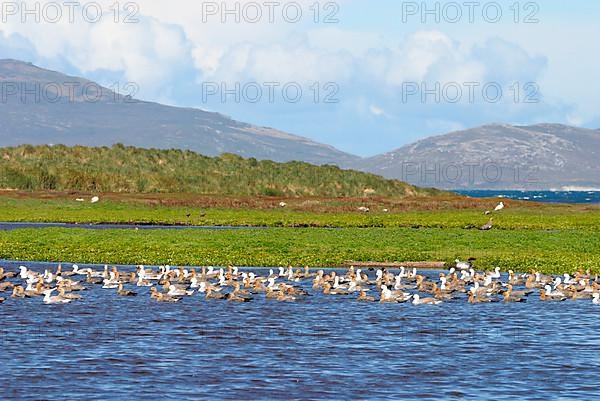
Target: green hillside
135	170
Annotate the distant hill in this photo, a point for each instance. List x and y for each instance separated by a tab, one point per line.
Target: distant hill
129	169
543	156
76	118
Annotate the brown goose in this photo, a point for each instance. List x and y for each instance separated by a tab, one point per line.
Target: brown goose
544	296
125	293
488	226
4	274
210	294
510	297
5	285
236	296
363	297
65	295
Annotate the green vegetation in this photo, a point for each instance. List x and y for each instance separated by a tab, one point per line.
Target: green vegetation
134	170
520	250
319	226
517	217
549	238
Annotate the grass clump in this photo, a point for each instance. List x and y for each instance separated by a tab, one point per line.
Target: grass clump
126	169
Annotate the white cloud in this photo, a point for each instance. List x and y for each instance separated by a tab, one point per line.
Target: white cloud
376	111
171	49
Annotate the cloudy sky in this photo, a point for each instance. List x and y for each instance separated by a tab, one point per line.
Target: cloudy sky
366	77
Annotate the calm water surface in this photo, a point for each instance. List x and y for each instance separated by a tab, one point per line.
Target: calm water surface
321	348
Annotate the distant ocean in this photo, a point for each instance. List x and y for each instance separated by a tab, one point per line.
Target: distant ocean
538	196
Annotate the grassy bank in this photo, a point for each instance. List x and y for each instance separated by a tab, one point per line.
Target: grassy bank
520	250
308	231
410	213
128	169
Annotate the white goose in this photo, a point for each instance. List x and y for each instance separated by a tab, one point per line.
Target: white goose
48	299
425	301
388	295
272	285
27	274
551	293
82	272
495	273
111	282
178	292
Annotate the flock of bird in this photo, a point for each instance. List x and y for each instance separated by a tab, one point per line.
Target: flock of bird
486	227
167	284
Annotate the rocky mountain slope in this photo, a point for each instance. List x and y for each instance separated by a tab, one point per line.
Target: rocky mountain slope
543	156
39	106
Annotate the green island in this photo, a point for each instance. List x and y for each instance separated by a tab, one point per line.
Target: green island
293	213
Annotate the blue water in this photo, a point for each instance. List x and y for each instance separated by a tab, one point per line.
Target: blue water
538	196
321	348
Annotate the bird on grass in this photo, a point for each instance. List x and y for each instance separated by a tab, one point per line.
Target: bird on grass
488	226
498	207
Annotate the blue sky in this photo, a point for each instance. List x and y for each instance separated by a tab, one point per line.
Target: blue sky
374	63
